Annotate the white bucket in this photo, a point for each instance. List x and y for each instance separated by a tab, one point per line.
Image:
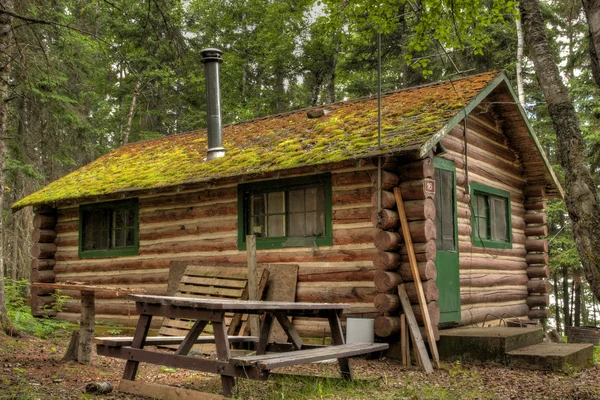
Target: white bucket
360	330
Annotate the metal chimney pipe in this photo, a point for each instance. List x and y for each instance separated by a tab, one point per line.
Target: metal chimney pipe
211	58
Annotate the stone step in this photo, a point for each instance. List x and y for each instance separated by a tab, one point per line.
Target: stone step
552	356
485	345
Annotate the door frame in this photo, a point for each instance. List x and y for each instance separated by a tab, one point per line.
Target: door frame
448	165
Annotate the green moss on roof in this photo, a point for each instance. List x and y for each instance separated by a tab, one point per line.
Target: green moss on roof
409	118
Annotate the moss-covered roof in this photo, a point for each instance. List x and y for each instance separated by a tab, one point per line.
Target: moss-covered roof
348	130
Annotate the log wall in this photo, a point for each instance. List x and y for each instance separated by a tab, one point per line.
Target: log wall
42	266
199	223
415	180
493	282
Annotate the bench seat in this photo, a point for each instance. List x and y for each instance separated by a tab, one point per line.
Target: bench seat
276	360
120	341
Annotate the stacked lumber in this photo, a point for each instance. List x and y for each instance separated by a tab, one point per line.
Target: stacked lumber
391	260
42	265
536	244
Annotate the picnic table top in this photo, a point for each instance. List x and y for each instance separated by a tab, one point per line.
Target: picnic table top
235	305
84	287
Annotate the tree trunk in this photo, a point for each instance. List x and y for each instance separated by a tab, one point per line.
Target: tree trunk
592	14
577	293
136	92
566	302
519	63
581	193
5	64
556	307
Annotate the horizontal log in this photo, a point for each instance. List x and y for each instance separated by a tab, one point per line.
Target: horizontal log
342	274
44	209
45	276
215	210
536	245
329	293
43	265
387	302
534	191
467	247
43	250
388	241
489	280
43	235
387	199
482	262
535	218
182	199
418	189
538	272
124	308
535	205
479	315
41	306
223	244
428	249
427	270
419	209
121	279
430	290
387	326
541	230
464	230
492	296
536	258
540	300
434	313
422	231
387	162
387	261
389	180
44	221
416	170
386	280
343	197
539	313
420	257
539	286
354	236
385	219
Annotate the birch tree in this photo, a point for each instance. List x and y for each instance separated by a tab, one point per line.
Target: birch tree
581	193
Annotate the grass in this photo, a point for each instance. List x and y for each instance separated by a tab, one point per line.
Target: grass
596	355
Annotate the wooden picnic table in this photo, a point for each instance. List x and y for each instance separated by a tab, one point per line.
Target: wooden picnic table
83	342
213	311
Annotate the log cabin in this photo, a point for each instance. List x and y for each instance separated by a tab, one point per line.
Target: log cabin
315	187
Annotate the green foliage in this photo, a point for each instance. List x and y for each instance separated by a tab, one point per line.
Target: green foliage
19	313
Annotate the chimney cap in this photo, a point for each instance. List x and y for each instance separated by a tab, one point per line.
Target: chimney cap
211	54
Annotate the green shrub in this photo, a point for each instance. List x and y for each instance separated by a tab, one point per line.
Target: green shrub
19	312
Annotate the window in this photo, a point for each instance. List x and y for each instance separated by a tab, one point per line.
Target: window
108	229
491	222
286	213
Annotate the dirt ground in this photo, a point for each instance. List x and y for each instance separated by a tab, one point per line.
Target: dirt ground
32	369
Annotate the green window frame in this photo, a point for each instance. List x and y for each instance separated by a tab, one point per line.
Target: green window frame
108	229
280	210
490	217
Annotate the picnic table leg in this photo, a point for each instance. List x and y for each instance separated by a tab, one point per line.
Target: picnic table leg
290	330
185	346
86	327
337	336
263	338
223	354
141	331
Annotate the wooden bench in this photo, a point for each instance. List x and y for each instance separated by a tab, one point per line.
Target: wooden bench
277	360
121	341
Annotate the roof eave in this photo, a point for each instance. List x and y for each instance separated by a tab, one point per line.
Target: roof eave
460	116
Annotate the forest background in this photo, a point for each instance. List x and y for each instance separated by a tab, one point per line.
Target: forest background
88	76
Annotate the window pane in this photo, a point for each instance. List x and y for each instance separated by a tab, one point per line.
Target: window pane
276	203
296	227
499	215
257	226
481	205
276	227
129	237
481	228
311	199
95	229
119	239
296	200
257	204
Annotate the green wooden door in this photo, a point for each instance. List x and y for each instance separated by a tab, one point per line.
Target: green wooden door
448	280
